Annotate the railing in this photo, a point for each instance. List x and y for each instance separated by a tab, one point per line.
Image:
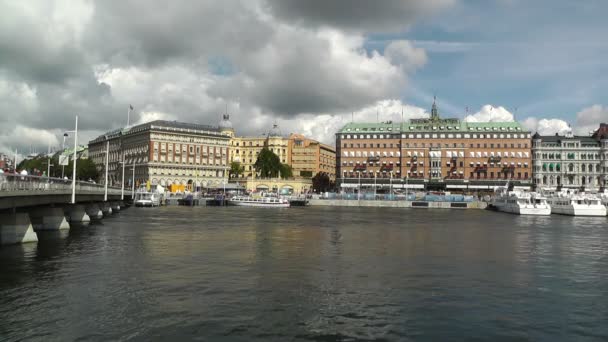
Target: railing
17	183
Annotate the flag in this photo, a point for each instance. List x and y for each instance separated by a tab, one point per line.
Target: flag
130	107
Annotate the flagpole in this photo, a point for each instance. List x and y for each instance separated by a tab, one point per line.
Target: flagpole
129	115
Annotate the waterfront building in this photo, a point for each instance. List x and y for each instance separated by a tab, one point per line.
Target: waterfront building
571	161
433	153
306	156
309	157
164	153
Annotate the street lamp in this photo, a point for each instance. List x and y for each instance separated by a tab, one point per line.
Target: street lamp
65	135
75	131
105	194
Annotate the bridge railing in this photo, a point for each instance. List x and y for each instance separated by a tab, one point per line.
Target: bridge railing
17	183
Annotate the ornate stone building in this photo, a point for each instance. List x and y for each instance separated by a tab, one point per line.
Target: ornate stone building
164	153
571	161
434	153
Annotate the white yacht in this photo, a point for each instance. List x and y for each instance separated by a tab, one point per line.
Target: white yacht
520	202
265	201
571	202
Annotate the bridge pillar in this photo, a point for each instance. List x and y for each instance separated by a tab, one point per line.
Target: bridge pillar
16	228
94	212
115	207
48	219
77	214
106	209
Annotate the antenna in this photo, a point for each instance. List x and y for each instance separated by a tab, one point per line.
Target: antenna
352	117
402	114
377	116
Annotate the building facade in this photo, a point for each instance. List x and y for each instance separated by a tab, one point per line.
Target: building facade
164	153
306	156
434	153
571	161
309	157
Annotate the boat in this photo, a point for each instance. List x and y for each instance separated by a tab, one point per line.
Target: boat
263	201
519	202
145	198
574	203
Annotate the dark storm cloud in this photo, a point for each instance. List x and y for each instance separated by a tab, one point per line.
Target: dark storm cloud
358	15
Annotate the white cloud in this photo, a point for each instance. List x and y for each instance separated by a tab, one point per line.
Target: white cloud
403	52
546	126
489	113
589	119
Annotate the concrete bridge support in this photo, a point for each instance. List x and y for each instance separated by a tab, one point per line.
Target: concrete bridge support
115	207
94	212
77	214
106	209
48	218
16	228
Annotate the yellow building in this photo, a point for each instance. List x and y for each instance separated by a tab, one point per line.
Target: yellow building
307	157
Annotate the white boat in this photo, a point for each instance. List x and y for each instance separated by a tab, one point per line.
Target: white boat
571	202
264	201
520	202
147	199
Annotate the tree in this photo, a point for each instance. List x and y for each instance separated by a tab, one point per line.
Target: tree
286	171
236	169
85	170
268	164
321	182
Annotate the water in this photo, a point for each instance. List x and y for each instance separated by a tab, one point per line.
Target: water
311	274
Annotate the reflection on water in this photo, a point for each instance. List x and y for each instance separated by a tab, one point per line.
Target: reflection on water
244	274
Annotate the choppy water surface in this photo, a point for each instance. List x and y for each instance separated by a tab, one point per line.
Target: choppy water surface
319	274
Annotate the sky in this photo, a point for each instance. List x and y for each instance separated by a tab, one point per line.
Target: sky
308	66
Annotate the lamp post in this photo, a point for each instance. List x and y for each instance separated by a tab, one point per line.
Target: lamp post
74	164
65	135
105	193
133	183
391	185
359	191
122	181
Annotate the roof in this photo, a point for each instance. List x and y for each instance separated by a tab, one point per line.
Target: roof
162	124
559	138
450	125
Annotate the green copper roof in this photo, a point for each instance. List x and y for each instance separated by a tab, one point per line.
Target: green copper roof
418	125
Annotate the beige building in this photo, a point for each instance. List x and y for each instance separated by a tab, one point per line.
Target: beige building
164	153
306	156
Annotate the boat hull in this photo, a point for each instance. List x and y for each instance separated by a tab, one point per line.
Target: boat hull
259	204
579	210
524	210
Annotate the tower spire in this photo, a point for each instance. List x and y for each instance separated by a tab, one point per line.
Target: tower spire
434	112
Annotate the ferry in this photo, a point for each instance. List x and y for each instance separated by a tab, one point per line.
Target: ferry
264	201
520	202
147	199
571	202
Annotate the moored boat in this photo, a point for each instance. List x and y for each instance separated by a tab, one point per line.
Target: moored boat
520	202
574	203
264	201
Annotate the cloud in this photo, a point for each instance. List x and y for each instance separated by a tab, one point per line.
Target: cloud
489	113
402	52
357	15
589	119
187	61
546	126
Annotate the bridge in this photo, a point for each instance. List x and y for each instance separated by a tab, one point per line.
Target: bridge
31	204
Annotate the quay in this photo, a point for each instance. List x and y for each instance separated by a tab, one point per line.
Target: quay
397	204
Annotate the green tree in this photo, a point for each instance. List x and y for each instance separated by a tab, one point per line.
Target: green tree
286	171
321	182
268	164
85	170
236	169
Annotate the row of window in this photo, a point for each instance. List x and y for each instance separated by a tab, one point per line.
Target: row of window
510	129
437	145
436	174
572	155
437	136
439	154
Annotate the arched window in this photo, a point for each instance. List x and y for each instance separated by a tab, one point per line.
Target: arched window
583	168
571	168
